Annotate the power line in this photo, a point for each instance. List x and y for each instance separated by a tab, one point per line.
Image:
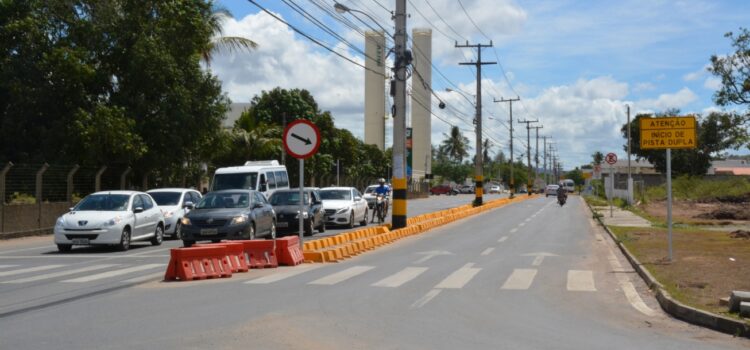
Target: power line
472	20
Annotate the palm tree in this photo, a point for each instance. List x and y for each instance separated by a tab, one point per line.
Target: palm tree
219	42
598	157
455	145
261	141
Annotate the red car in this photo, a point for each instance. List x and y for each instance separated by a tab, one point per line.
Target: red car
443	189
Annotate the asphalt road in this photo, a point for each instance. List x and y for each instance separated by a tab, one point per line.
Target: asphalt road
531	275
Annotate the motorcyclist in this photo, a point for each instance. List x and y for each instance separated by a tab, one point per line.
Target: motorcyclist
562	193
384	190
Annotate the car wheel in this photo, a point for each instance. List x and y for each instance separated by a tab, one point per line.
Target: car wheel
309	228
177	230
64	248
251	229
124	240
322	227
364	219
158	235
187	244
272	234
351	220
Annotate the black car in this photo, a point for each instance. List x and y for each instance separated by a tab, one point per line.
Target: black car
229	214
286	205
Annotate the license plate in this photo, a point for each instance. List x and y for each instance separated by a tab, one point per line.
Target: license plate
209	232
80	241
282	224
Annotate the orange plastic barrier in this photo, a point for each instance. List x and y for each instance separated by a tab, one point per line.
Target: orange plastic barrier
235	254
195	263
288	252
260	253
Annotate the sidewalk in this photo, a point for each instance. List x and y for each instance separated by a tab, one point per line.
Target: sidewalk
621	217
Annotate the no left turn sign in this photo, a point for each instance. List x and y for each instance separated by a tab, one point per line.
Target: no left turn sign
611	158
301	139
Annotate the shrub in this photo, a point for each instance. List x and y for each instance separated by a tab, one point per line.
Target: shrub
21	198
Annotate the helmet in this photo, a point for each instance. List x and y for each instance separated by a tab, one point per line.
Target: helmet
381	180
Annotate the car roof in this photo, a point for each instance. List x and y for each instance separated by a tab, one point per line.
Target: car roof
125	192
171	189
336	188
232	191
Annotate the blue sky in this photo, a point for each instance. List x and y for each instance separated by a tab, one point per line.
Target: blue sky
574	64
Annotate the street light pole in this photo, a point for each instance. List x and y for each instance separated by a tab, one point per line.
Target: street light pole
630	179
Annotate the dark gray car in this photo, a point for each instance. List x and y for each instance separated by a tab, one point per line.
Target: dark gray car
229	214
286	205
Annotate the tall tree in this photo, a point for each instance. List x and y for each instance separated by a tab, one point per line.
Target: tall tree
598	158
219	42
734	71
455	145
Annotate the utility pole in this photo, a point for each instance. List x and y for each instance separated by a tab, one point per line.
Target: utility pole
478	166
630	178
528	151
536	153
512	180
402	59
544	154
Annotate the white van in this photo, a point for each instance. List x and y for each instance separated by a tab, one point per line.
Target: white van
265	176
569	185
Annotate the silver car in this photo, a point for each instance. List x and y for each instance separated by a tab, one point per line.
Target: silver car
344	206
110	218
174	203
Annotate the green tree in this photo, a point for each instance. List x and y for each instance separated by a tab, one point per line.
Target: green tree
598	158
219	42
576	175
455	145
734	71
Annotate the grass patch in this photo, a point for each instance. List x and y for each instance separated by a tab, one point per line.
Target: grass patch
696	188
707	265
595	201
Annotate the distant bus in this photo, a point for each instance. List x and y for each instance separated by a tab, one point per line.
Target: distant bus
569	185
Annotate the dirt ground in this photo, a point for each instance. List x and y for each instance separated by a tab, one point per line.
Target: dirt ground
714	212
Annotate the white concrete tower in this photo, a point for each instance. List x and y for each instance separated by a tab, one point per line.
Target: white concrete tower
375	89
421	116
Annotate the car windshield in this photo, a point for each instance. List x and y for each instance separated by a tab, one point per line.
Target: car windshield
245	181
370	189
166	198
104	202
287	198
224	200
336	194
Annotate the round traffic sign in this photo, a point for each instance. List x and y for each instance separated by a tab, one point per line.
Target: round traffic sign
611	158
301	139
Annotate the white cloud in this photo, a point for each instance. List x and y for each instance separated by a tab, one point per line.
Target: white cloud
712	83
642	87
678	100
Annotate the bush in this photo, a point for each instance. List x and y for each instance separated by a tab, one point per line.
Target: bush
21	198
695	188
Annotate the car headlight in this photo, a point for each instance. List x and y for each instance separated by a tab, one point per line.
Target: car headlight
60	222
342	210
167	214
239	220
304	215
113	221
186	222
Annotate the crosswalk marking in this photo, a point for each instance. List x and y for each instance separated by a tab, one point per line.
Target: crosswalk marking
401	277
291	272
342	275
488	251
520	279
458	278
502	239
59	274
114	273
144	278
581	281
30	269
426	298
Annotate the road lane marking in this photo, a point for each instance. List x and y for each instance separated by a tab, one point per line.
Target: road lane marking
144	278
522	224
144	253
30	269
502	239
114	273
581	281
514	230
487	251
7	266
342	275
537	260
520	279
401	277
528	219
458	278
425	299
60	274
290	272
26	249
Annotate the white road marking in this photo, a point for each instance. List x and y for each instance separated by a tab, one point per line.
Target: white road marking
502	239
114	273
60	274
145	253
522	224
487	251
425	299
290	272
581	281
528	219
514	230
26	249
538	260
144	278
520	279
458	278
401	277
30	269
7	266
342	275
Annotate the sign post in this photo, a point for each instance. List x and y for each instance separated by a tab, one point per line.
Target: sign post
301	140
611	159
668	133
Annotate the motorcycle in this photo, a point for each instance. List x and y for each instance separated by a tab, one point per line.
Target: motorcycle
381	207
561	200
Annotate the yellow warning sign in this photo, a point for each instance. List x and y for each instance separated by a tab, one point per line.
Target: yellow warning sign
663	133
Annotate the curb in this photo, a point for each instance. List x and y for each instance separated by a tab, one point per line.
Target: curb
673	307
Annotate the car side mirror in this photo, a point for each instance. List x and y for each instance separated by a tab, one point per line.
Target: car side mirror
357	198
318	202
189	205
257	205
138	210
71	208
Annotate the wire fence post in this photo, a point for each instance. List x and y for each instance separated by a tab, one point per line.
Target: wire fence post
124	177
98	179
39	183
2	195
144	183
69	193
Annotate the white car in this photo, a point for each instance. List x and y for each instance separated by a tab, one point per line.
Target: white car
370	196
174	203
110	218
344	206
494	189
551	190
